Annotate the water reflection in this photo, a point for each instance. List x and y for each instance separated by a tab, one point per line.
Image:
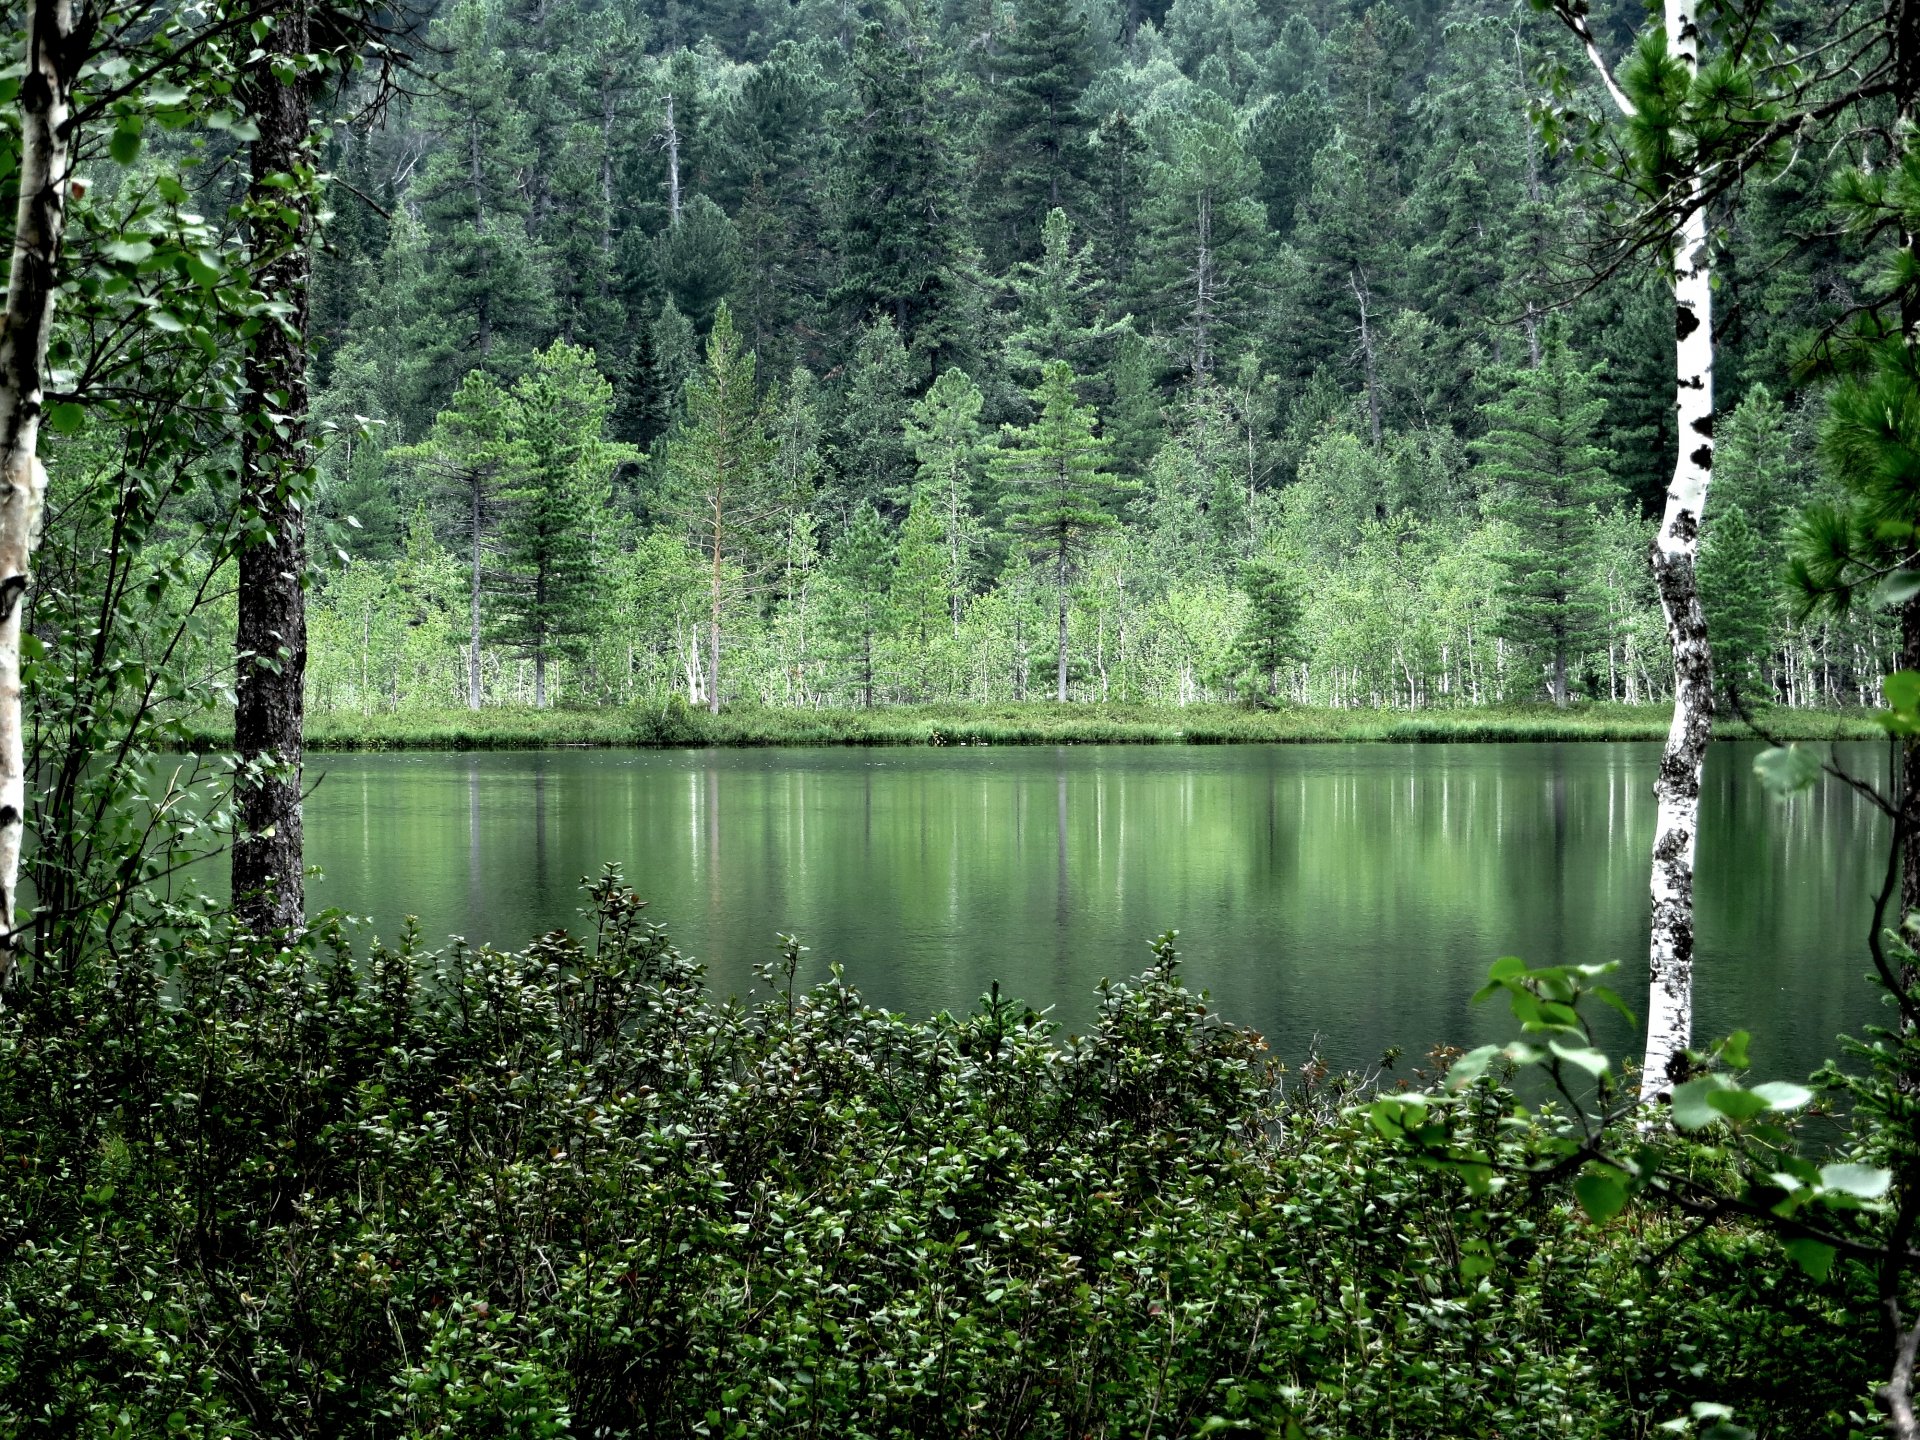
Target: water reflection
1353	893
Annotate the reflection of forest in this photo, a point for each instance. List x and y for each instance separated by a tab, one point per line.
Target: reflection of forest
1351	893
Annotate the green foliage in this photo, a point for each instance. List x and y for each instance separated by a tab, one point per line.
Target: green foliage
566	1191
1552	484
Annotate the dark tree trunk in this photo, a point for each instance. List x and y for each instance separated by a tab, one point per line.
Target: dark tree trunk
271	658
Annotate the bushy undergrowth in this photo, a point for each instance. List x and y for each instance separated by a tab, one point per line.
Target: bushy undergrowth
1031	723
304	1192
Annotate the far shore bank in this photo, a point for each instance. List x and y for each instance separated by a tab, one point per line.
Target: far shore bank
1030	723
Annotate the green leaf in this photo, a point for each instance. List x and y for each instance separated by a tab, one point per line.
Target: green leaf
1783	1095
1471	1066
128	252
1590	1060
1737	1104
1733	1049
1601	1196
1691	1110
1863	1182
1902	689
1786	770
66	418
1898	588
1813	1256
125	142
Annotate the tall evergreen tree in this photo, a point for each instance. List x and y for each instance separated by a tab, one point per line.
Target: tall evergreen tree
721	467
944	431
1061	493
465	460
871	462
1036	158
1269	636
551	582
859	611
1551	481
1058	307
903	253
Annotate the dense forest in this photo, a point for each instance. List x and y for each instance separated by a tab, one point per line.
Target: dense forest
800	354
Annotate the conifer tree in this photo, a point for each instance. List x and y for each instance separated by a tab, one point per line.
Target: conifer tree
920	592
1061	492
1551	481
1205	237
901	246
721	468
1269	637
489	285
1057	308
1037	158
858	610
1737	592
465	459
944	430
871	462
551	581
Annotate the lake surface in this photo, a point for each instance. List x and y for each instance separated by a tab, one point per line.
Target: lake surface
1344	896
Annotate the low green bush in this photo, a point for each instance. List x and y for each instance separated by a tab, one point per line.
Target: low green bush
334	1189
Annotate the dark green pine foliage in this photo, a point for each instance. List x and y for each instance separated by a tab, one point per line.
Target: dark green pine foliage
771	174
1550	480
1059	492
1206	238
1057	309
1283	134
1269	636
1119	165
1737	590
861	569
902	249
489	287
871	461
549	590
1036	158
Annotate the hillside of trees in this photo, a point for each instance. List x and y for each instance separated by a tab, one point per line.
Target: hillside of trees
811	354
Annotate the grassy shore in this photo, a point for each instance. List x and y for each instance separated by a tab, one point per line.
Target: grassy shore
1032	723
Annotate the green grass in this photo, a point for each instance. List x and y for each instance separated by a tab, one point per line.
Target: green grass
1032	723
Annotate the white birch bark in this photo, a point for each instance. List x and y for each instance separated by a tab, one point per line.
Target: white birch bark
46	121
1675	553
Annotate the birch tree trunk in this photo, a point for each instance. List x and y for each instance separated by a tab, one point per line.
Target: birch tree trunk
46	139
1676	551
473	598
269	882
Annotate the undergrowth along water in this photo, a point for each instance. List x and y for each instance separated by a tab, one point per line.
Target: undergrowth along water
1032	723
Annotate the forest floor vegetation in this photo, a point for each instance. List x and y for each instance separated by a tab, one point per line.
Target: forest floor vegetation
325	1189
1030	723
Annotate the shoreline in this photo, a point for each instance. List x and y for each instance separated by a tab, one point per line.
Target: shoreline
1032	723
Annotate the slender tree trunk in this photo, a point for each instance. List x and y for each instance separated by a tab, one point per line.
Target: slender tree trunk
1362	296
1060	658
40	222
1907	99
1560	676
672	140
473	602
1675	553
271	658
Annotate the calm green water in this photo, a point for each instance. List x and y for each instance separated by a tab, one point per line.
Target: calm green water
1346	895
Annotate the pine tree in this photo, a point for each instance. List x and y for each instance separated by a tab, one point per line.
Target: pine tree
1061	493
1057	308
465	459
1205	237
489	287
1037	158
721	467
1551	481
1269	637
1737	592
944	430
551	588
860	567
901	247
871	462
920	593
